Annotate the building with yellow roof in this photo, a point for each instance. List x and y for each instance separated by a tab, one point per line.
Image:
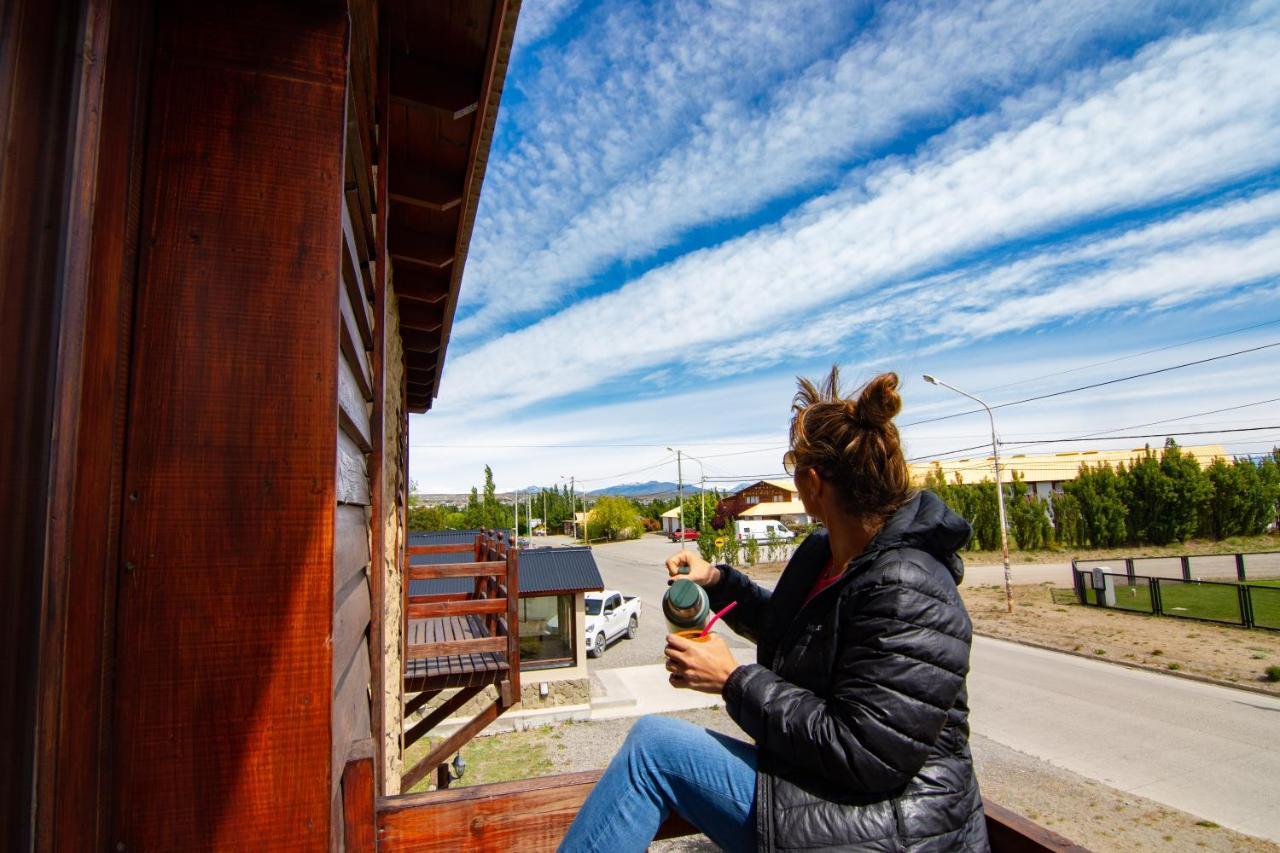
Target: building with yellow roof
1046	472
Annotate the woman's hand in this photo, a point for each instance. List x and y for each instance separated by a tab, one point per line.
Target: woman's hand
703	666
689	565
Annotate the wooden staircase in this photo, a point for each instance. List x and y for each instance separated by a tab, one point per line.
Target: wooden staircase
460	641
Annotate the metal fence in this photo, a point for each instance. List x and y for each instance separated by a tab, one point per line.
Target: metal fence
1259	565
1230	603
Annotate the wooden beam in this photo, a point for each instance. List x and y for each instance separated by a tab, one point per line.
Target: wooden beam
423	284
474	646
358	799
440	713
452	744
421	316
429	188
415	341
471	606
423	84
419	701
457	570
428	250
454	548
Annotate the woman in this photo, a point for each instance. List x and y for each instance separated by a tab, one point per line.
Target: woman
857	706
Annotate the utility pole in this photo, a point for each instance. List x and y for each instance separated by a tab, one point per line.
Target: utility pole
515	505
546	526
702	502
528	514
995	455
680	490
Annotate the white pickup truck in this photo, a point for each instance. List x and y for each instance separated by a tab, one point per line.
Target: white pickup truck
610	614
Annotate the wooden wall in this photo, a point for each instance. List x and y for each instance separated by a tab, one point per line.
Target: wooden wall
356	692
226	602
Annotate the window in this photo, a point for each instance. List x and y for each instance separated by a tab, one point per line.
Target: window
753	499
546	632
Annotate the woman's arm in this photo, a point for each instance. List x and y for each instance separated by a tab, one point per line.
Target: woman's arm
751	615
902	662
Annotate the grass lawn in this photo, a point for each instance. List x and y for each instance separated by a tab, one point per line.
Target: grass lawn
1215	601
497	758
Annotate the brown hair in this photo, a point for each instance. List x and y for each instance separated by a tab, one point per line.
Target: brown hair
852	442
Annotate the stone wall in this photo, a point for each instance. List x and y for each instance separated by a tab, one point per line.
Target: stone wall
393	474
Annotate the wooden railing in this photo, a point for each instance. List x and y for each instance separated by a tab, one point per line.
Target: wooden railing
534	815
494	564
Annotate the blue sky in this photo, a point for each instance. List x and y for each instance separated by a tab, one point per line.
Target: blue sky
689	203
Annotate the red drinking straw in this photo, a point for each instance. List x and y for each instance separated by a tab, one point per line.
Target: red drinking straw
712	620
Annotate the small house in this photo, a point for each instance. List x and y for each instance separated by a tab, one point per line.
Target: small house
553	583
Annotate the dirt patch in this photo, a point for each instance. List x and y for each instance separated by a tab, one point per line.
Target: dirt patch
1163	643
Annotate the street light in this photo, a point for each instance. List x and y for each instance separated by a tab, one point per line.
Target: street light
995	453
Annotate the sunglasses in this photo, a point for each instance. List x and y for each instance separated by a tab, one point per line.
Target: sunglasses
789	462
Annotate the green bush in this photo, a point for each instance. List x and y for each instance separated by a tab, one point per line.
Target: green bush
1273	673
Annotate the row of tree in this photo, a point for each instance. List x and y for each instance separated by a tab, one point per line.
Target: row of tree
1159	498
609	516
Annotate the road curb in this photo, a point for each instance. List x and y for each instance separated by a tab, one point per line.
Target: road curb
1189	676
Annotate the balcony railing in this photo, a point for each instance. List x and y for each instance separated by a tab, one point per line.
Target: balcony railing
460	640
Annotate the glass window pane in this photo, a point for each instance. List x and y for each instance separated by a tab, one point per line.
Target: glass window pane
546	631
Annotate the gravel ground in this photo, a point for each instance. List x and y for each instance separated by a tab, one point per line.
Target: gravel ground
1087	812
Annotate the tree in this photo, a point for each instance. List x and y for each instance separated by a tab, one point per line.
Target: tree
1240	501
1189	491
1101	497
614	517
1067	521
427	518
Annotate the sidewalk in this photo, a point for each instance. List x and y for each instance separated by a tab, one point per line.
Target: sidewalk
635	691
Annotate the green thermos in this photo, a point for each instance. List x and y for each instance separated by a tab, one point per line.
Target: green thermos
685	605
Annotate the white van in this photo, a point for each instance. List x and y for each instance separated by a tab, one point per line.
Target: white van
759	530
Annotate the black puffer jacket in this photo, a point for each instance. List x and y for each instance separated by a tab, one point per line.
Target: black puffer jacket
858	703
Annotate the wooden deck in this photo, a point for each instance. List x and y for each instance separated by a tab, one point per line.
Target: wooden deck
441	673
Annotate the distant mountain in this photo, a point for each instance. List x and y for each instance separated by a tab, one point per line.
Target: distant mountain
651	489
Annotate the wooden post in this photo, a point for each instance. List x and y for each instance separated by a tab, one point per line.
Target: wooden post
358	779
228	603
377	422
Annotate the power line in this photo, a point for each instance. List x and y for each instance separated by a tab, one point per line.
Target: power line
1098	384
1098	435
1112	438
1131	356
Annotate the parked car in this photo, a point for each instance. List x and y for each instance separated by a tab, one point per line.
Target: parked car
759	530
688	534
610	615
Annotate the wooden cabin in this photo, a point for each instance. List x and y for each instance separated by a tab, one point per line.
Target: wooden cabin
233	235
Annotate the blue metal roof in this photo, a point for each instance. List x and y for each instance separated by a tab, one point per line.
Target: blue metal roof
542	570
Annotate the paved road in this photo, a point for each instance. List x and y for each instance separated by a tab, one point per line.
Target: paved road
1207	750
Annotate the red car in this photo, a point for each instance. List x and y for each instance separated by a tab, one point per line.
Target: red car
688	534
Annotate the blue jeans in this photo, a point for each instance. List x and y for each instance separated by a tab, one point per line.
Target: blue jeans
669	765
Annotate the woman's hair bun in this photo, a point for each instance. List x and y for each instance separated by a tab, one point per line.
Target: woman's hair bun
879	403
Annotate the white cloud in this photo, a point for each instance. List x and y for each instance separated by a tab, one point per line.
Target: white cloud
1189	116
682	136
